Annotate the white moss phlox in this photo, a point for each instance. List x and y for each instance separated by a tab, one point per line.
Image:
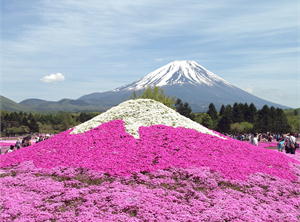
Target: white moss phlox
142	112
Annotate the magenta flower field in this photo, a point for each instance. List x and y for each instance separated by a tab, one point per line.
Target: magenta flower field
6	143
168	174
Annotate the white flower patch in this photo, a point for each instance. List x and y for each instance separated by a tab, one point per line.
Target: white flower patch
142	112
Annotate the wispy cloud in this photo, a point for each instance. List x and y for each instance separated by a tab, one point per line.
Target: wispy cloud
56	77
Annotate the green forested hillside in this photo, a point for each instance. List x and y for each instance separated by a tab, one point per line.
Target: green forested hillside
9	105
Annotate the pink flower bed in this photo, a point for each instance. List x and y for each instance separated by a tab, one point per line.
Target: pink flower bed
169	174
174	194
7	143
109	148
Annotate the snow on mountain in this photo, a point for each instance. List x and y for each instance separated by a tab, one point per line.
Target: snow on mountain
177	73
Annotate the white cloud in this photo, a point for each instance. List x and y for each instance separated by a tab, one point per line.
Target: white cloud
55	77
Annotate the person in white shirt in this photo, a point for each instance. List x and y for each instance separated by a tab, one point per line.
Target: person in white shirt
292	143
254	140
292	138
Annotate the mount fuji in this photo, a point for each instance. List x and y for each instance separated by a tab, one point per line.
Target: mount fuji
186	80
177	73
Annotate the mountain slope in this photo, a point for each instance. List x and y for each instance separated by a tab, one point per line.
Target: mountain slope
67	105
9	105
186	80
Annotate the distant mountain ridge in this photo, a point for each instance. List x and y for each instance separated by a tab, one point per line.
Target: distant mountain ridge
9	105
67	105
39	105
184	79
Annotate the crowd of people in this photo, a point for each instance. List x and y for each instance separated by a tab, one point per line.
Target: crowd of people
287	142
27	141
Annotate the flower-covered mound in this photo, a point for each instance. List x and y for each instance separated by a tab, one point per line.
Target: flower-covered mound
109	148
174	194
142	112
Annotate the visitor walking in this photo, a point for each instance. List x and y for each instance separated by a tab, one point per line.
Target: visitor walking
18	143
292	143
280	145
254	139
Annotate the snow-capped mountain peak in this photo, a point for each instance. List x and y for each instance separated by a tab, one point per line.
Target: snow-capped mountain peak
177	73
187	80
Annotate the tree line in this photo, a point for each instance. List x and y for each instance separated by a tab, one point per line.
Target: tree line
20	123
236	118
244	118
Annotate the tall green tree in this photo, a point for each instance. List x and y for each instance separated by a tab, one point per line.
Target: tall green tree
204	119
237	113
33	126
280	122
212	112
66	120
222	110
252	111
263	121
226	120
184	109
158	94
224	124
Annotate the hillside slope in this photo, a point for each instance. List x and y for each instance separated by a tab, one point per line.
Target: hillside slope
9	105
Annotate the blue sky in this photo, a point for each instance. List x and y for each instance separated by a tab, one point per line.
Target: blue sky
93	46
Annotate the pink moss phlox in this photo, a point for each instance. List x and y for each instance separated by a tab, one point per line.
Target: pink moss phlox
109	148
7	143
174	194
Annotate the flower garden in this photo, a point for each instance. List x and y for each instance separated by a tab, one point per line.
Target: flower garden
141	161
